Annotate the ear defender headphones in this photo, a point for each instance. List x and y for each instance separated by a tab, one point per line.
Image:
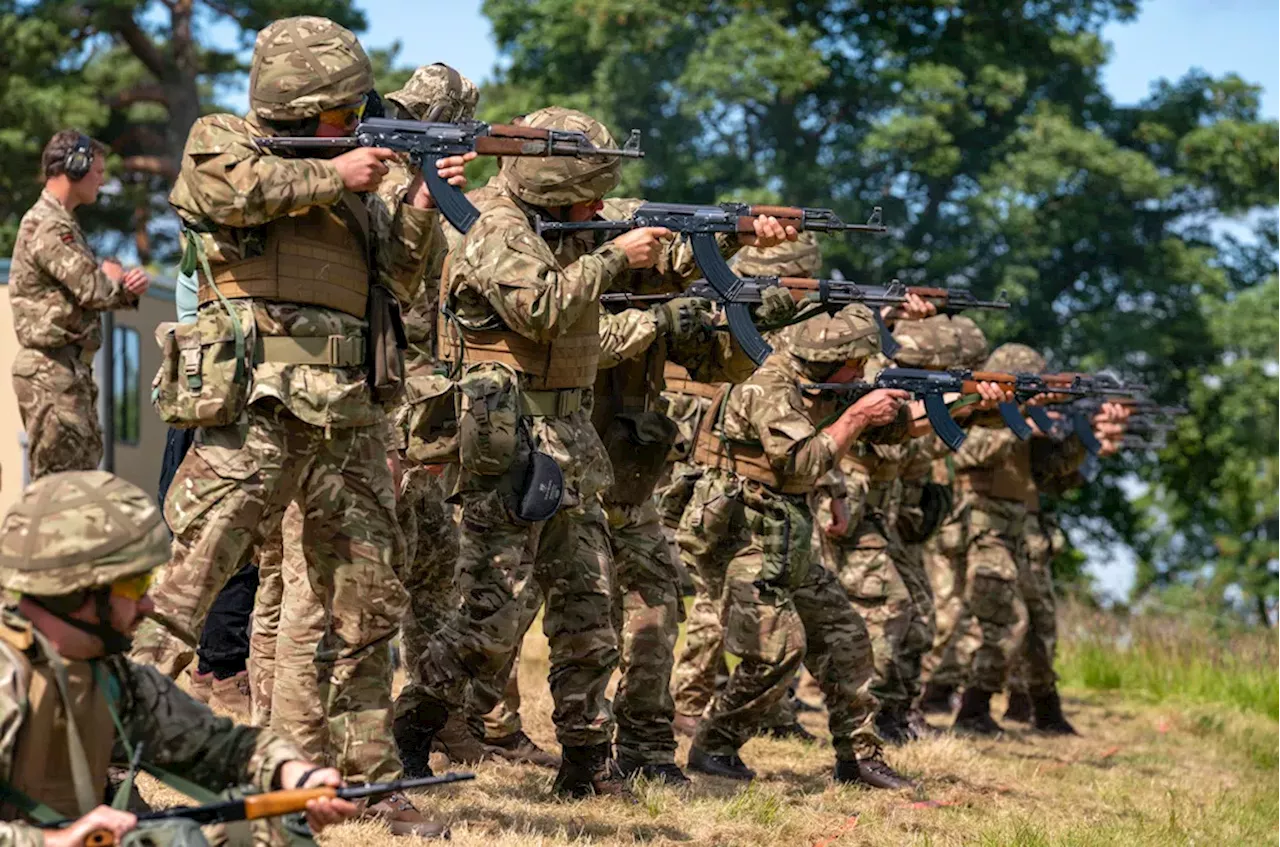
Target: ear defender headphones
79	159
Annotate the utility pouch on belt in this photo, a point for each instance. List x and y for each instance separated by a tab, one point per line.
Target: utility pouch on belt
202	382
384	355
935	505
488	416
541	489
637	444
786	539
432	419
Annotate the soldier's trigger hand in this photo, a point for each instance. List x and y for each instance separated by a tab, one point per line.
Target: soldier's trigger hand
643	246
880	407
105	824
362	169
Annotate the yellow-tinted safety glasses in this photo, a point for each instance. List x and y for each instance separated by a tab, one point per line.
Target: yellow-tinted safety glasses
133	587
345	118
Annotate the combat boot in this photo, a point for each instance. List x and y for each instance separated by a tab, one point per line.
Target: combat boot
873	772
403	818
891	724
936	699
413	732
201	685
918	729
590	770
232	695
974	717
667	773
457	741
788	732
726	767
520	749
1048	717
1019	707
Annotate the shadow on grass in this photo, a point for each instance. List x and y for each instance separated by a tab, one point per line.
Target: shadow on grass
574	821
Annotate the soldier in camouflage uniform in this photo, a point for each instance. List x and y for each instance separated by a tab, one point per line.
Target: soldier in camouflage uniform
767	446
77	552
287	239
58	291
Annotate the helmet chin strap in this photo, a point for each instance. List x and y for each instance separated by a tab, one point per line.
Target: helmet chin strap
113	641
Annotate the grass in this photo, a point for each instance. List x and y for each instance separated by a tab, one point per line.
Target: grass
1178	747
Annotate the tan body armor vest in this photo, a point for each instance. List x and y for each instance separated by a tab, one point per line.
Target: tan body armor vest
1011	481
711	450
42	758
678	382
315	258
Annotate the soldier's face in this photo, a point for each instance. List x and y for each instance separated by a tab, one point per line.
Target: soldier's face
585	211
87	188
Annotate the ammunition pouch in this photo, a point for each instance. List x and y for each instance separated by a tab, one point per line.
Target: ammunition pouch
785	533
386	343
488	412
200	383
431	419
637	444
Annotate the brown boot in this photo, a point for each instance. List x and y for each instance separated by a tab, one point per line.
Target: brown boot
232	695
403	818
201	685
519	748
590	770
458	742
686	724
873	773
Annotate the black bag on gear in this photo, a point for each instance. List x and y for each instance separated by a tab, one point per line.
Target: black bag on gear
385	345
541	490
638	444
935	505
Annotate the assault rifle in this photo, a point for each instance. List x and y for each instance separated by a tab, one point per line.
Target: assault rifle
425	141
700	224
1099	388
273	804
828	294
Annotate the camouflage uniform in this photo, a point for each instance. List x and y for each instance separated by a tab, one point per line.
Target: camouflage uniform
309	431
751	540
82	531
58	293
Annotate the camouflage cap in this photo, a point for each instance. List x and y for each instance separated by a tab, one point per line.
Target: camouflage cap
1015	358
436	93
79	530
563	181
940	342
303	66
802	257
850	333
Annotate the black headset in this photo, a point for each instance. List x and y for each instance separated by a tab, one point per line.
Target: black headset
79	159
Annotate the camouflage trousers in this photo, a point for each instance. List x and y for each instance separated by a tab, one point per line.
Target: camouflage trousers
1031	669
892	594
956	636
994	560
499	557
233	486
773	627
58	400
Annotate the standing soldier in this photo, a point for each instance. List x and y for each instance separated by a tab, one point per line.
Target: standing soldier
58	290
78	551
288	248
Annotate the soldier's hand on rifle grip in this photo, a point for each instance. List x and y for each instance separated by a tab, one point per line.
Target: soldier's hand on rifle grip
879	407
102	827
321	811
452	169
643	246
769	233
362	169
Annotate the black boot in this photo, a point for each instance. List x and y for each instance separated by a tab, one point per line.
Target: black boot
788	732
1047	714
1019	708
936	699
587	771
413	732
727	767
974	717
667	773
891	724
873	773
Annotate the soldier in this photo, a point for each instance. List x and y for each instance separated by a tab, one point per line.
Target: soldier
524	321
78	551
58	289
284	246
766	447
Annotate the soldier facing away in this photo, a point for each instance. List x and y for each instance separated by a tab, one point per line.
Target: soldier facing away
58	290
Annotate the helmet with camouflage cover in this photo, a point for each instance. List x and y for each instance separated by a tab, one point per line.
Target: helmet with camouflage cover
940	342
303	66
436	93
1015	358
850	333
802	257
79	531
563	181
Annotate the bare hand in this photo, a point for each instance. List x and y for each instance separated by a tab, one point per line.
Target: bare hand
362	169
993	394
137	281
113	270
769	233
839	524
879	407
914	308
102	818
643	246
452	170
1117	412
321	811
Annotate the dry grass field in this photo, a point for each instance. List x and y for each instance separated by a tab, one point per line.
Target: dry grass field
1149	769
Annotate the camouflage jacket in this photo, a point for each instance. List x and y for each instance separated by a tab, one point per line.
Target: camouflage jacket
56	287
176	732
226	190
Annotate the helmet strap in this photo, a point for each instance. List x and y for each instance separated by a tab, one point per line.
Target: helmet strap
113	641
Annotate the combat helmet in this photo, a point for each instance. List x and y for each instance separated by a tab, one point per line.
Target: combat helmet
802	257
79	531
563	181
436	93
1015	358
940	342
850	333
306	65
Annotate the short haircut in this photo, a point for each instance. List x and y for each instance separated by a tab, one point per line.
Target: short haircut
53	161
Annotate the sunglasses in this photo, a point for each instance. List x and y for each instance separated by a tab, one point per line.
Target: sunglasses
345	118
134	587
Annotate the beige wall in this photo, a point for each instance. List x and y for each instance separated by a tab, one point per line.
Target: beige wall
139	463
